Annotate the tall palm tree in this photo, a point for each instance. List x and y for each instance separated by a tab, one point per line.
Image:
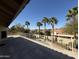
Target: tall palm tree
72	15
45	20
27	23
39	24
53	21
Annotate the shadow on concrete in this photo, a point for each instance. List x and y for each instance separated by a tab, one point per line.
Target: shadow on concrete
20	48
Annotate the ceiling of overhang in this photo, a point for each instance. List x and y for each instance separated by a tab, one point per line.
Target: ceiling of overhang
9	9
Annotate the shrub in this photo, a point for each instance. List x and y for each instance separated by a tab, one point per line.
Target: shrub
27	31
47	32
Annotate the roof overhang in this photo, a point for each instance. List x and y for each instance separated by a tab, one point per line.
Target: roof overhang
9	9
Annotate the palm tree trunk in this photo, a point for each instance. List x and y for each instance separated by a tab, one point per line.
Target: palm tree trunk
45	30
27	26
74	33
39	31
53	33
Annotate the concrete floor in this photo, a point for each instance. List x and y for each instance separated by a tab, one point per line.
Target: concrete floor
20	48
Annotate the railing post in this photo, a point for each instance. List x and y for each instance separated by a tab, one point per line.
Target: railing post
72	42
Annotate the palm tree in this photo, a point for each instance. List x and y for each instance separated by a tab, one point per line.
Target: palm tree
27	23
53	21
72	15
39	24
45	20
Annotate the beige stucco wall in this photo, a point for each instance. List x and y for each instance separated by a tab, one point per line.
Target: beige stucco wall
2	28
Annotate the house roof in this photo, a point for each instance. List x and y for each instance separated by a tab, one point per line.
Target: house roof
59	31
9	9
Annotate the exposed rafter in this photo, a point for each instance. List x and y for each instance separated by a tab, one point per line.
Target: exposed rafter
9	9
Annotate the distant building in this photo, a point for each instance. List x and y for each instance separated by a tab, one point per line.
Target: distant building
58	31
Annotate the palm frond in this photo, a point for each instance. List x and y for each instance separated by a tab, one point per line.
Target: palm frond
45	20
39	24
27	23
53	20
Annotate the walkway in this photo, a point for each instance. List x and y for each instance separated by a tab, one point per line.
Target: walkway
21	48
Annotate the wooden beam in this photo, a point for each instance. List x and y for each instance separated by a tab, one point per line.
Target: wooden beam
3	15
10	3
6	11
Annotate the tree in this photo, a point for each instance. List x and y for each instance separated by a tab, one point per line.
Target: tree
53	21
68	28
13	29
45	20
72	15
39	24
17	28
27	23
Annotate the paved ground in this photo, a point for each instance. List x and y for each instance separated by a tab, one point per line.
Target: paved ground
20	48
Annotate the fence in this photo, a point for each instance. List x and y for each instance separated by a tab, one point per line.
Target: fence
63	40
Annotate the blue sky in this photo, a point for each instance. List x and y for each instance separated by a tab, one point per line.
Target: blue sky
37	9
